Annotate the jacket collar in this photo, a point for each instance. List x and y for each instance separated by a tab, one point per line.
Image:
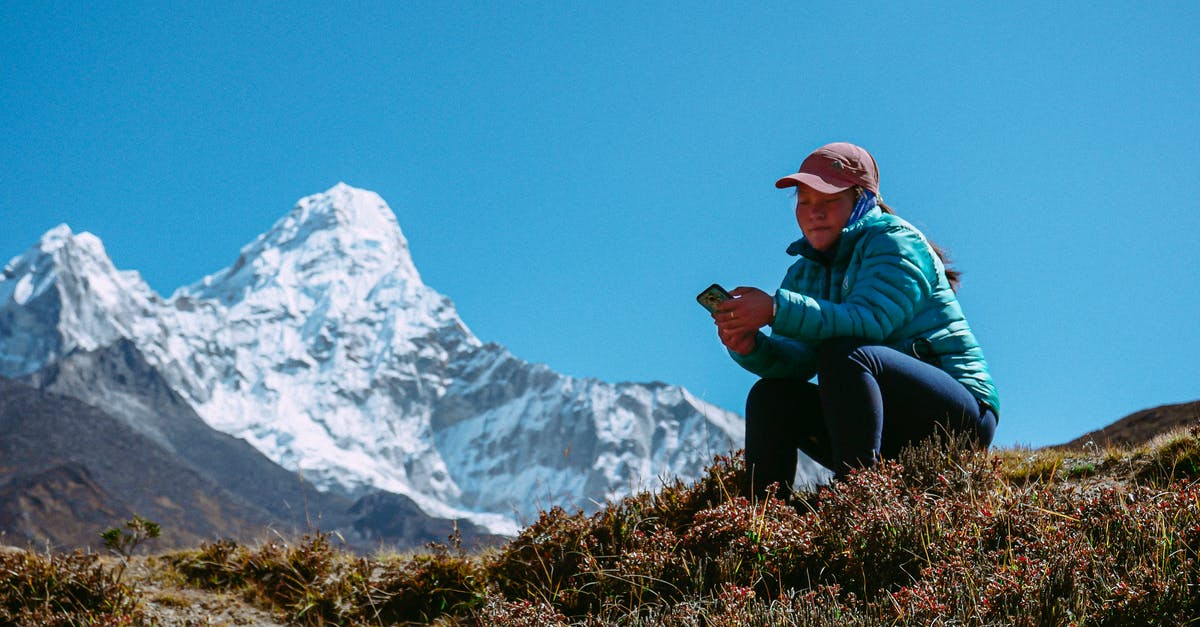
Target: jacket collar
845	243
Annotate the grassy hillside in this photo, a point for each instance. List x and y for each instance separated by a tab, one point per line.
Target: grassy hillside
942	536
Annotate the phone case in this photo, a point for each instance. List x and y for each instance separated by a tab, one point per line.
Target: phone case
712	296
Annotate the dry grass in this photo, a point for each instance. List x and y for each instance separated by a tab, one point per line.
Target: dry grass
944	535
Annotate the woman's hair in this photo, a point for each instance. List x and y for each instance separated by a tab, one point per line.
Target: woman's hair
952	275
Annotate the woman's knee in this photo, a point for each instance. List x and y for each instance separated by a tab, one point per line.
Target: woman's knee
777	403
763	400
838	351
837	348
838	354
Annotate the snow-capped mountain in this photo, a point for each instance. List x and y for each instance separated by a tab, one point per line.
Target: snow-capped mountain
63	294
322	348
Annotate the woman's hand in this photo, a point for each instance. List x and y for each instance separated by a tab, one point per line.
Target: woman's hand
739	318
742	344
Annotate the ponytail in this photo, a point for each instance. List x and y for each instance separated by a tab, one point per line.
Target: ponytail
952	275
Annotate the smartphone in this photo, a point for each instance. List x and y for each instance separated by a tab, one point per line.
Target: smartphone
712	296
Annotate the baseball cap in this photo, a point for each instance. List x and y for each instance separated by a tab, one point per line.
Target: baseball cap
835	167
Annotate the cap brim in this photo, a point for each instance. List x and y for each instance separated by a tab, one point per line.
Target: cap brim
811	180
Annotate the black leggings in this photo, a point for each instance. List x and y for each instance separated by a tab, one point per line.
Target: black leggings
869	403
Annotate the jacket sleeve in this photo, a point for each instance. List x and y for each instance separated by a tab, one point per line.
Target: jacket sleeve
896	272
779	357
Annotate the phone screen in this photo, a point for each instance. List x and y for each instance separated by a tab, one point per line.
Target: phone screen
712	296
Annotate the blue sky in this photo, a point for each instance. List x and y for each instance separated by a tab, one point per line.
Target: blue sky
572	174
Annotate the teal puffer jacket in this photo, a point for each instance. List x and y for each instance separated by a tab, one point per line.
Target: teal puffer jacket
883	285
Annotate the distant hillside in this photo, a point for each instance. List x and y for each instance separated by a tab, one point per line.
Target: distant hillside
69	470
1140	427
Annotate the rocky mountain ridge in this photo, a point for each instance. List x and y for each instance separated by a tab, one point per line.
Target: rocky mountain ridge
68	470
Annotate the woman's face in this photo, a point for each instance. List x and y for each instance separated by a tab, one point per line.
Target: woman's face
823	216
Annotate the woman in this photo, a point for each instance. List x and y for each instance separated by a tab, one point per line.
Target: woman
870	310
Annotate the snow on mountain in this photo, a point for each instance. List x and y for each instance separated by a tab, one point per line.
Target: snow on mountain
321	347
64	293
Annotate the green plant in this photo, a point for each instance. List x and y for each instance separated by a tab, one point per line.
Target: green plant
123	542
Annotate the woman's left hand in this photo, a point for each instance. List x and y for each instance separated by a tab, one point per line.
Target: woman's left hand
749	310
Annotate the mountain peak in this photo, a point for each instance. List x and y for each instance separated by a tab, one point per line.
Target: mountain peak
361	212
66	293
356	207
55	238
60	243
344	234
61	255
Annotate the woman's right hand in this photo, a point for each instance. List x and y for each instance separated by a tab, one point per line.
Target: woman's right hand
739	318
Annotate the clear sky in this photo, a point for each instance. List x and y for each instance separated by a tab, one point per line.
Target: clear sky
571	174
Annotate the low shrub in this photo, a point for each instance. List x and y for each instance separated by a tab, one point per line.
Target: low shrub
439	583
63	589
310	580
1175	456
